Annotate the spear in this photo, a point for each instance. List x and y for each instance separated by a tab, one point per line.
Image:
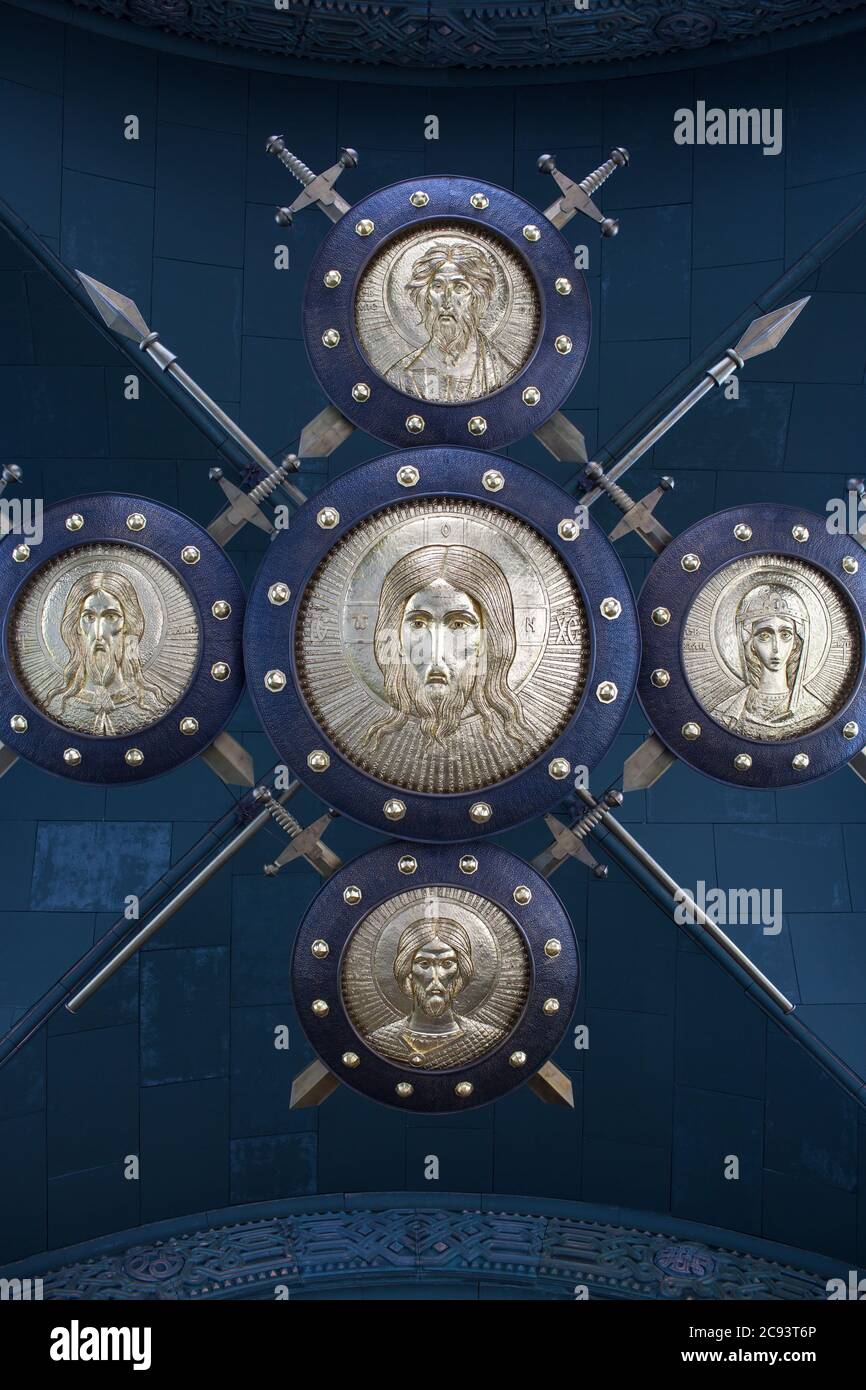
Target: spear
762	335
123	316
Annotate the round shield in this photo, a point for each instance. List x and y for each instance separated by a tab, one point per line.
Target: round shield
435	977
122	651
753	646
440	643
446	311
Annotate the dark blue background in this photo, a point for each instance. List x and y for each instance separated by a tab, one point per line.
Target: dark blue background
175	1060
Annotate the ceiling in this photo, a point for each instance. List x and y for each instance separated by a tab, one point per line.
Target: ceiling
434	34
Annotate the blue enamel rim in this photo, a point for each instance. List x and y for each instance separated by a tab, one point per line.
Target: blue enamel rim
294	554
329	918
210	701
385	412
669	586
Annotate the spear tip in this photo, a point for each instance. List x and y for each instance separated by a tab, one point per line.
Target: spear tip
116	310
765	333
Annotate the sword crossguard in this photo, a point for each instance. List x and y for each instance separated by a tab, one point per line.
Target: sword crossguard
577	196
318	189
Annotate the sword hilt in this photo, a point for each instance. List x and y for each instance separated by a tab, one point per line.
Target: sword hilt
617	494
619	158
296	167
273	480
593	817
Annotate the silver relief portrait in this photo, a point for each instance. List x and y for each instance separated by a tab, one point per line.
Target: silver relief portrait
104	639
436	977
442	645
448	313
771	647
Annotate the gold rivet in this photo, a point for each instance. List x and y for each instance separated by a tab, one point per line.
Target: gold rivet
559	768
563	344
190	555
74	522
331	337
480	201
221	609
800	533
477	425
850	565
518	1059
414	423
18	724
419	199
395	809
464	1089
360	392
531	232
610	608
660	677
468	864
800	762
552	948
133	757
568	529
279	594
350	1059
352	895
531	395
320	949
275	681
328	518
742	532
691	730
408	475
136	521
606	692
492	480
318	760
851	729
188	725
332	279
407	864
71	757
404	1089
220	670
551	1006
690	563
562	285
742	762
21	553
480	812
522	895
365	226
661	616
320	1008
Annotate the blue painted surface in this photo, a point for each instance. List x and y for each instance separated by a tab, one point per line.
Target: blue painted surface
181	1044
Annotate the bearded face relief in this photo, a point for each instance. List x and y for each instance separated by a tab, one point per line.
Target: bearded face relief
105	640
447	314
771	648
435	978
442	645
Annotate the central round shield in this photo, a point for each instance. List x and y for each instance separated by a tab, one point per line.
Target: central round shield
456	651
441	643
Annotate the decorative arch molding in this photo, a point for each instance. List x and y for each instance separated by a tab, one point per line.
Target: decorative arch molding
314	1247
450	41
